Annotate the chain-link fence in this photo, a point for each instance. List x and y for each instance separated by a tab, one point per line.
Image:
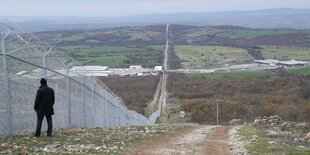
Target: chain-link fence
80	100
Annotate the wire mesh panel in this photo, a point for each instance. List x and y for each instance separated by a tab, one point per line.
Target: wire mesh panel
3	112
80	101
76	104
60	119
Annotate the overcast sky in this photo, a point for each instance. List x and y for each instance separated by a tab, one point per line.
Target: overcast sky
135	7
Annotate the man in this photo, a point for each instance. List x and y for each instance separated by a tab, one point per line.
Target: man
44	107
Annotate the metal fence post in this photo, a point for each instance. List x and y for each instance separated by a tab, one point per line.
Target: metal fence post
110	115
68	95
119	116
124	117
136	120
217	112
83	98
93	101
44	63
105	112
128	119
114	116
7	96
102	111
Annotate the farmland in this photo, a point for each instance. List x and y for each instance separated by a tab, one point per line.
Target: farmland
117	56
231	75
253	33
114	47
210	56
195	46
286	52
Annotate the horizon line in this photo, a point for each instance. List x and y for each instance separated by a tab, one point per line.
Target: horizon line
150	14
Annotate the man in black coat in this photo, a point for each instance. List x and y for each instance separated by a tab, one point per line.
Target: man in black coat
44	107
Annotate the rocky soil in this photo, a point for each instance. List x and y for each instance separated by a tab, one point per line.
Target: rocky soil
85	141
238	145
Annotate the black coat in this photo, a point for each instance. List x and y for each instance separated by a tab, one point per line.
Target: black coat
44	101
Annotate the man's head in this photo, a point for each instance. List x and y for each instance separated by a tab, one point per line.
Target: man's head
43	81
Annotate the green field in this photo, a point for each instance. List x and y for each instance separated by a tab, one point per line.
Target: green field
210	56
111	61
87	49
133	45
202	31
286	53
236	74
143	35
115	47
117	56
252	33
300	71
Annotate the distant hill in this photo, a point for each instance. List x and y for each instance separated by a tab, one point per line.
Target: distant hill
271	18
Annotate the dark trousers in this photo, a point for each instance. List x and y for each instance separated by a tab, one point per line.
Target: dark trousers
49	125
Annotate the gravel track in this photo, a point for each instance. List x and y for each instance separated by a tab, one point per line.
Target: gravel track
187	141
238	146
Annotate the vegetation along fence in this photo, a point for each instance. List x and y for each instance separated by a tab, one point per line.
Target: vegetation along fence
80	100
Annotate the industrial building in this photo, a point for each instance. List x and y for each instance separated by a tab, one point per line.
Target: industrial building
290	63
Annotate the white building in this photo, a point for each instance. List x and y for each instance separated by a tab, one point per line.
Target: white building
293	63
158	68
135	67
90	70
270	62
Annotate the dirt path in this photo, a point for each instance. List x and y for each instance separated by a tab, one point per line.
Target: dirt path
152	105
217	142
198	140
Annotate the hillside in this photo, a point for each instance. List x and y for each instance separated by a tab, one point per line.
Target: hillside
136	92
240	95
144	45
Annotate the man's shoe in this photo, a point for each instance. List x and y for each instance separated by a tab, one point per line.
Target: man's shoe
49	135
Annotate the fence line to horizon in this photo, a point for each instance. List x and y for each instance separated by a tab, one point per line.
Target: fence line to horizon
80	100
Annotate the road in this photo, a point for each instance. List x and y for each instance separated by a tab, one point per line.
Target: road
162	99
242	67
196	140
166	49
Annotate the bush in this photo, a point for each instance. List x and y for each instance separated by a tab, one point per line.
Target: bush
136	92
243	98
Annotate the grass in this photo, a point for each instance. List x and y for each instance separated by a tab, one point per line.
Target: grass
210	56
157	47
74	37
300	71
111	61
134	54
237	74
143	35
262	146
252	33
202	31
117	56
286	53
86	49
